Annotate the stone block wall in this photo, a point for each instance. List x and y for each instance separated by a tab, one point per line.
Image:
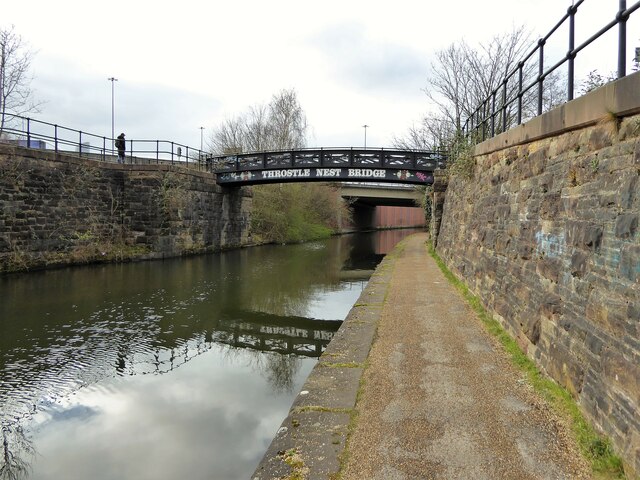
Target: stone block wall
547	234
59	210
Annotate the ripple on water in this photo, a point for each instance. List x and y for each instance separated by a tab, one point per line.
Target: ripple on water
71	355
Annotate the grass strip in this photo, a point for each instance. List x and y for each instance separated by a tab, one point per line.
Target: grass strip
340	365
596	449
320	408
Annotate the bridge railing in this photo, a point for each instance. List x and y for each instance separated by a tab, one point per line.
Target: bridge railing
31	133
504	107
331	158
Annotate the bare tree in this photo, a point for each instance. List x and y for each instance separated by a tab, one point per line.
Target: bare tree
279	125
229	136
463	77
287	121
256	129
595	80
16	96
433	133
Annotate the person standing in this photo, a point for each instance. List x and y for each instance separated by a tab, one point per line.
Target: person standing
120	145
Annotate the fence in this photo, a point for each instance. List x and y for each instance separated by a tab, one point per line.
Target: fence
31	133
495	114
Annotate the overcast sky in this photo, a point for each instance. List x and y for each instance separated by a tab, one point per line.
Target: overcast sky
186	64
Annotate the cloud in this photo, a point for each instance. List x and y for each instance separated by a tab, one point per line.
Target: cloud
369	63
213	416
81	100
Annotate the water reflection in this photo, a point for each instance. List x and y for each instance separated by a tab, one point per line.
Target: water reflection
91	356
17	452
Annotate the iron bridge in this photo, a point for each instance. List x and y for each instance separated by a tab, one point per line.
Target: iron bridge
334	164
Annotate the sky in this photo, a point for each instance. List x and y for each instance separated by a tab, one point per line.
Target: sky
190	64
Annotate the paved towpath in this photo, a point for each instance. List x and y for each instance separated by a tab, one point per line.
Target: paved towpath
441	400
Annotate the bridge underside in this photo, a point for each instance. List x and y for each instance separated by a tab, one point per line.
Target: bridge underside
378	195
383	206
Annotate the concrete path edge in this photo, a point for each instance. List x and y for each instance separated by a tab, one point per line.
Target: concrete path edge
312	438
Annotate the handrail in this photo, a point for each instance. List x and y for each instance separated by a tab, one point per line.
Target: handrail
481	124
387	158
32	133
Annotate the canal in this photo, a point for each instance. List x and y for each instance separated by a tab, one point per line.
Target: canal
168	369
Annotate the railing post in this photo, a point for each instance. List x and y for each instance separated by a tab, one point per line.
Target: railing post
104	149
504	106
321	157
28	132
493	114
622	39
541	43
484	120
157	151
570	54
520	67
80	142
351	157
55	137
171	153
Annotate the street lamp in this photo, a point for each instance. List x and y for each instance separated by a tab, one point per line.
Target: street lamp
201	136
365	135
112	80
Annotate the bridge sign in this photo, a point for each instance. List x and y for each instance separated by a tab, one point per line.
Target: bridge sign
395	166
248	177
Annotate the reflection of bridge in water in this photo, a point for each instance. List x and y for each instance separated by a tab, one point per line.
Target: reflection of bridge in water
274	333
264	332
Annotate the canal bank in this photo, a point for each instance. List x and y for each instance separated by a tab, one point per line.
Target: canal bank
58	210
420	390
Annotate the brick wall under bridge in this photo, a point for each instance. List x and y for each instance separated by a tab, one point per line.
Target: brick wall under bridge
399	217
546	233
378	206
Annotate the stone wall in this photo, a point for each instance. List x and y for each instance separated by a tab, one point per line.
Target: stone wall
547	234
58	210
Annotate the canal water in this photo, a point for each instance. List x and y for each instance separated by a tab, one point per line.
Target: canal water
181	368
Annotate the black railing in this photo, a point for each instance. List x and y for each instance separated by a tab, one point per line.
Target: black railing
31	133
332	157
495	113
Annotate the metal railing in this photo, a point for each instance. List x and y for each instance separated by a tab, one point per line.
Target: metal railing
31	133
332	157
495	114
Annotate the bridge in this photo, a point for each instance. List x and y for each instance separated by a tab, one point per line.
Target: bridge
375	194
328	164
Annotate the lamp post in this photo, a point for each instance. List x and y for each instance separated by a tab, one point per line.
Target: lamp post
201	137
112	80
365	135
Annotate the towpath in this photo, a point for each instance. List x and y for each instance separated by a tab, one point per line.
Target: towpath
421	391
441	400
